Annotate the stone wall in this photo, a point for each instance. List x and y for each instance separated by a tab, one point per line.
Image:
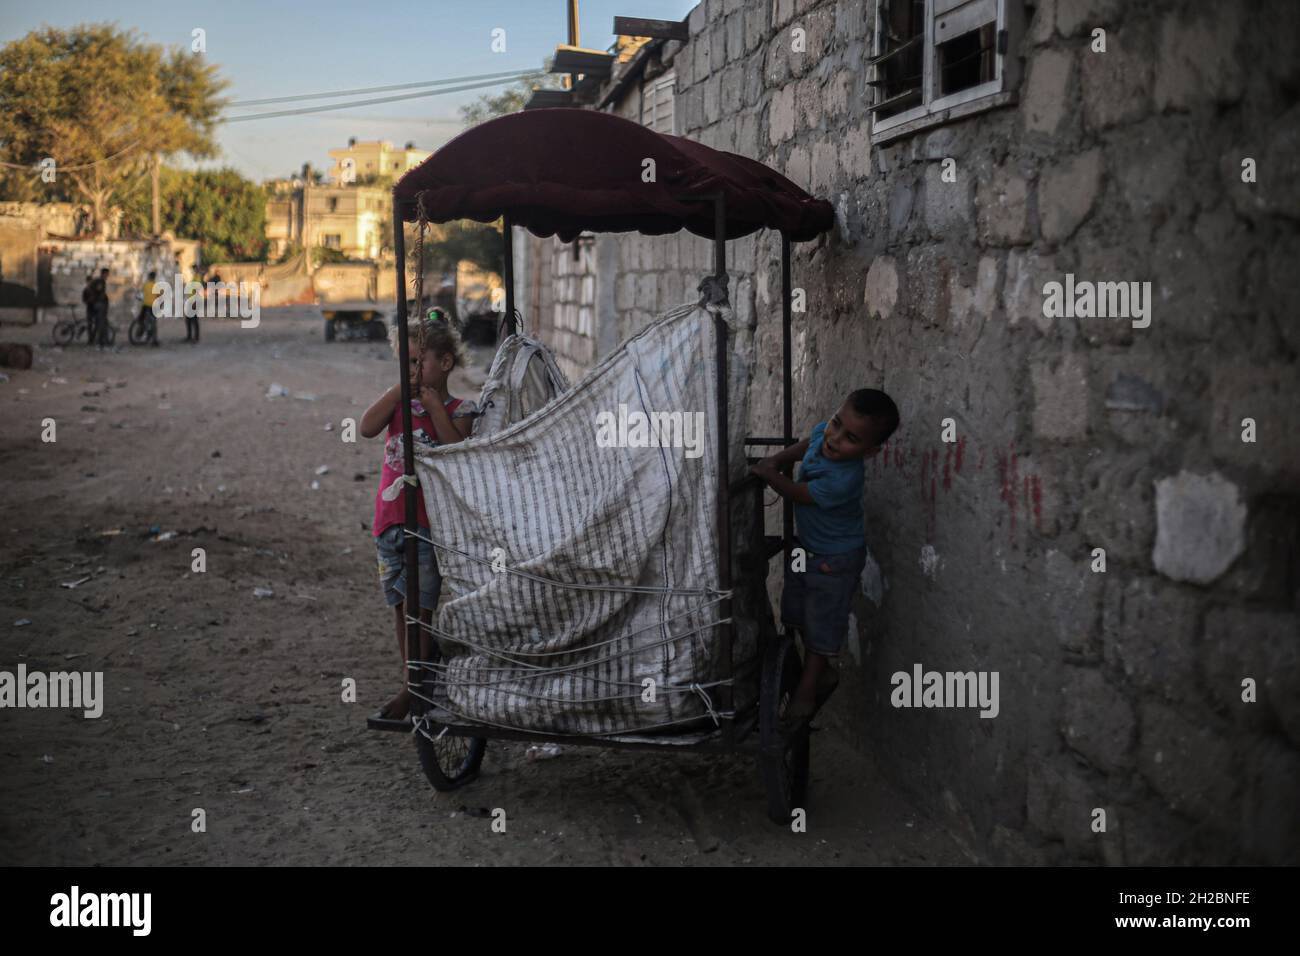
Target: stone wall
1120	689
69	261
18	273
63	219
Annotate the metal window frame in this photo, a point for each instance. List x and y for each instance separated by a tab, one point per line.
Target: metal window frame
935	111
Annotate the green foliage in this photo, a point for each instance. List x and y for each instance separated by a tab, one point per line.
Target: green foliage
291	249
317	177
218	206
512	98
100	102
321	255
446	244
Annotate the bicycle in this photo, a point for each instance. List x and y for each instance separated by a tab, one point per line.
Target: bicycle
144	327
67	331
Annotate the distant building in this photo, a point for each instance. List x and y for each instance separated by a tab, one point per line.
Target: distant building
352	212
353	219
369	160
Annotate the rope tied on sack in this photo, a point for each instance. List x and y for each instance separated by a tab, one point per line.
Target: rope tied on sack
539	579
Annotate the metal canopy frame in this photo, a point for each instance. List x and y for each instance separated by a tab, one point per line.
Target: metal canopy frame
735	728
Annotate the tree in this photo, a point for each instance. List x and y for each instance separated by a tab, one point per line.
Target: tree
316	176
446	244
512	98
101	103
219	206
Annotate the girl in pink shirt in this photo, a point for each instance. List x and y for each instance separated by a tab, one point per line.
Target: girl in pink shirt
437	418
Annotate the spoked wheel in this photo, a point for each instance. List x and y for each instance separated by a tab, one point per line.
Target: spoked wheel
449	762
65	331
138	333
783	758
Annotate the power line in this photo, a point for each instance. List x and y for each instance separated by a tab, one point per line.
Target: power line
514	74
344	106
64	169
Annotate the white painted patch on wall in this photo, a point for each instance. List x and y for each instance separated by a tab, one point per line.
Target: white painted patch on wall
873	581
929	561
842	219
854	650
799	356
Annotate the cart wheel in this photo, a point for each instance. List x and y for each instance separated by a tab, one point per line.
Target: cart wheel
375	330
782	759
449	762
138	332
329	330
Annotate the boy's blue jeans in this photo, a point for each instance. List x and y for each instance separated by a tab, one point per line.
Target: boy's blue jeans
818	599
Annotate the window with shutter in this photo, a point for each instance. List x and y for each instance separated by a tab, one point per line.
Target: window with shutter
657	104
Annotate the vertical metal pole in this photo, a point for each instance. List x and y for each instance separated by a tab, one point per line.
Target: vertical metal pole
725	632
408	464
508	237
787	416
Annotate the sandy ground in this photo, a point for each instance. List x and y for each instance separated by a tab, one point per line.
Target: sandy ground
220	700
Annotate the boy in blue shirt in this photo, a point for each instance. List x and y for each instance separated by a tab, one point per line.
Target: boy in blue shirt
828	516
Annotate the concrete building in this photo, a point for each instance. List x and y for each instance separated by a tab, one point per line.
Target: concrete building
358	162
352	212
357	220
1112	525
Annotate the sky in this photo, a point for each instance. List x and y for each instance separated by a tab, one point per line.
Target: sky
288	48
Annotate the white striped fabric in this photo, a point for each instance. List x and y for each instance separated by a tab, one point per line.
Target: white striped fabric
543	496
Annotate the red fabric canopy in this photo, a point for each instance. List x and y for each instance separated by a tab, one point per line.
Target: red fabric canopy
566	171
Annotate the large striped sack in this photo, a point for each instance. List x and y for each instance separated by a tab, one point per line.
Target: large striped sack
579	545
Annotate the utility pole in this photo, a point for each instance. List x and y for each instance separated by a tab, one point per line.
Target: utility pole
573	37
154	175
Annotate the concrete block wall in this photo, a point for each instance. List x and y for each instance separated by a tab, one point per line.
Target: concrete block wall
128	262
1120	689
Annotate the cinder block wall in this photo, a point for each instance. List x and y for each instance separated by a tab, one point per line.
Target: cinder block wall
128	262
1119	690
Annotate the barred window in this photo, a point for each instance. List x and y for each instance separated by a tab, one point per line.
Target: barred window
938	60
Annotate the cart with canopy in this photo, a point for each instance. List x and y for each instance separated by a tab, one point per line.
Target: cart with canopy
602	592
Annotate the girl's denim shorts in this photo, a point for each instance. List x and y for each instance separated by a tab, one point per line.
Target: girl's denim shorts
390	544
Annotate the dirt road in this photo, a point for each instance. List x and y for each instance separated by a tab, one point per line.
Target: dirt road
219	700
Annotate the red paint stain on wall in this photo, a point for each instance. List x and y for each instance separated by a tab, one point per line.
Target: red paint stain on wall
1036	497
929	528
961	451
927	485
1008	479
947	467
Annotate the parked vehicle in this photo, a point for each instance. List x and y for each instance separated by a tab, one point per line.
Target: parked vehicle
354	320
